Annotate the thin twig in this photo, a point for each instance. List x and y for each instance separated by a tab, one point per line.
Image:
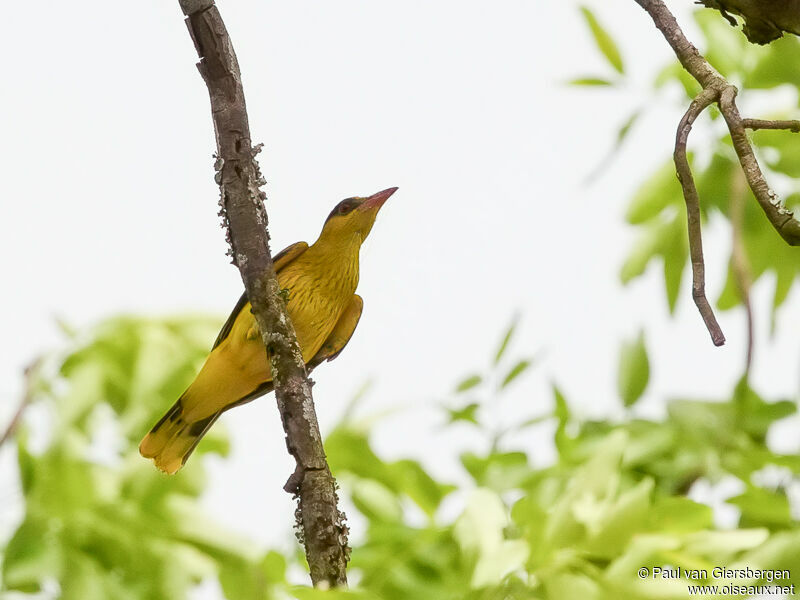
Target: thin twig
698	105
321	524
740	265
790	124
27	398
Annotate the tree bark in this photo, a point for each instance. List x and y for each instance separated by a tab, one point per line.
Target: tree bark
320	523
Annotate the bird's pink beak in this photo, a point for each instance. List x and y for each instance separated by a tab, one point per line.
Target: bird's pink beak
376	200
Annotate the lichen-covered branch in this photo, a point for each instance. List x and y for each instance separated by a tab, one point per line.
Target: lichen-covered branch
717	89
782	219
321	524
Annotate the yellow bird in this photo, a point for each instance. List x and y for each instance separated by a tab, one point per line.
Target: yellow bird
321	280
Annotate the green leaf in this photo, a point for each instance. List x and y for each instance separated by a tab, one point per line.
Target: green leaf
774	65
415	482
726	47
675	72
466	413
500	471
572	586
479	532
468	383
273	566
714	183
622	133
679	514
619	520
754	415
501	349
763	508
666	237
31	556
518	369
724	544
562	413
634	370
660	190
786	144
604	41
348	450
591	81
376	501
674	266
626	127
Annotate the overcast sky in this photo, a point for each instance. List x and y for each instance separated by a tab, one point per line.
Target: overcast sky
109	204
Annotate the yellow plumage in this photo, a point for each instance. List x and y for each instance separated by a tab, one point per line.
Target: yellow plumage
321	280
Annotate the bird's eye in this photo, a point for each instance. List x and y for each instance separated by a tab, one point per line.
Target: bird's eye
344	207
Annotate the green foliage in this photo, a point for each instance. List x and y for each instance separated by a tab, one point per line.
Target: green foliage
612	502
581	526
105	524
613	499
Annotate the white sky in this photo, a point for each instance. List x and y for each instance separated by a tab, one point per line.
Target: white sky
109	204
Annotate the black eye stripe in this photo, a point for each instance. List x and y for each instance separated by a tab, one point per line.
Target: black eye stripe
344	207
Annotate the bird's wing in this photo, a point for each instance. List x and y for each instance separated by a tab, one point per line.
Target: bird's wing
279	261
341	334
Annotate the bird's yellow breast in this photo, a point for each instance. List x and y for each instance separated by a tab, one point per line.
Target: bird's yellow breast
318	291
318	294
320	283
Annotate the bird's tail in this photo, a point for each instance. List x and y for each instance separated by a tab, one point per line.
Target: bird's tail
172	439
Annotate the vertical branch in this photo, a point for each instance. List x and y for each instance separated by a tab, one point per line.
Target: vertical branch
27	398
739	263
321	524
698	105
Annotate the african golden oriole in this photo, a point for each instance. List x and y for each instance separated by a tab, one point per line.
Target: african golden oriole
321	280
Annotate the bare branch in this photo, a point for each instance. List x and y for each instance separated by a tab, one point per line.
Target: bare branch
717	89
687	54
791	125
698	105
321	524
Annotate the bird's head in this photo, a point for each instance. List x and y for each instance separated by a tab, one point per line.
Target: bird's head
354	217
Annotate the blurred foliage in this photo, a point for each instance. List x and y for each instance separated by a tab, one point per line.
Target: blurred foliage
100	521
103	523
658	211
